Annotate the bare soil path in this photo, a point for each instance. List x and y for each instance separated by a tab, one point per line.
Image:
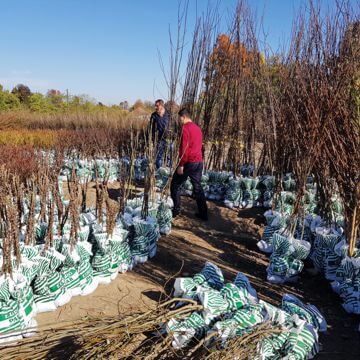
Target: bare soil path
228	240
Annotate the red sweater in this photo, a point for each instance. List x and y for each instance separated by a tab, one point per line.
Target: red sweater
191	144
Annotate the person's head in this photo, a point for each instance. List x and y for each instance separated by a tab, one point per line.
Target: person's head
159	106
184	116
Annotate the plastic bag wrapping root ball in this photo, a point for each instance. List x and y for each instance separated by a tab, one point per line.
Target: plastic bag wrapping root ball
276	222
48	277
286	261
232	310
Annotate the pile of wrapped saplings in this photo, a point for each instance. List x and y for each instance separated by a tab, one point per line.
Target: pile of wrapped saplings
286	239
49	274
231	310
244	191
312	237
102	168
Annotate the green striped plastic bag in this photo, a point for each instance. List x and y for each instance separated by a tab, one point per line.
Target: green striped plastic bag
144	243
213	274
119	234
247	183
278	269
45	302
210	276
242	282
139	249
101	239
214	304
235	297
348	284
71	280
10	321
40	283
247	201
256	196
274	314
267	198
84	250
278	222
286	259
281	245
307	312
57	289
270	347
101	264
29	251
125	257
324	245
152	238
114	266
186	288
23	294
84	232
71	255
301	344
233	194
89	282
184	331
6	287
164	218
29	269
248	317
300	249
56	258
289	183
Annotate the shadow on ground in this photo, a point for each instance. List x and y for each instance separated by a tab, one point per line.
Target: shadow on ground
229	239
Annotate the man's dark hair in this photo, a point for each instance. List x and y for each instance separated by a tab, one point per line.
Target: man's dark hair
184	112
160	101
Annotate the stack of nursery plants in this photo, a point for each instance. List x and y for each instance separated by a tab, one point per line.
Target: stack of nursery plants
90	169
290	241
247	192
232	310
235	192
51	250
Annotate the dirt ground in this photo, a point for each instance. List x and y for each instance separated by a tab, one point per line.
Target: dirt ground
229	240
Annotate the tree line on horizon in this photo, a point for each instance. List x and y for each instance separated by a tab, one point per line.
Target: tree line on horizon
54	101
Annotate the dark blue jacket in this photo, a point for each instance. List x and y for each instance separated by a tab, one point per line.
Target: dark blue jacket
159	125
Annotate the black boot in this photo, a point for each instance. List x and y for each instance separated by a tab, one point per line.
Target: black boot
202	217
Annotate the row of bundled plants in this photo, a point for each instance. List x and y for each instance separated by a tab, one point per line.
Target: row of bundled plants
290	117
54	243
281	131
205	317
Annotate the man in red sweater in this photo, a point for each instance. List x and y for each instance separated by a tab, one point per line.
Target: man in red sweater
190	165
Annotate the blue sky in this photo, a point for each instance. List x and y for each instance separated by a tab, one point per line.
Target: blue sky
107	49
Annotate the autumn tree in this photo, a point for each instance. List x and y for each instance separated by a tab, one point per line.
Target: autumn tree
55	97
22	91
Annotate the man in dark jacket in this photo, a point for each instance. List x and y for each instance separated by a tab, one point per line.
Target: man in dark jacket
159	123
190	165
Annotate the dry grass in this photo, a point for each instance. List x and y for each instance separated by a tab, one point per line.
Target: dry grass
109	118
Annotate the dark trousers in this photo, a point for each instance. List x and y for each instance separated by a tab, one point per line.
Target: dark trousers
160	149
194	172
